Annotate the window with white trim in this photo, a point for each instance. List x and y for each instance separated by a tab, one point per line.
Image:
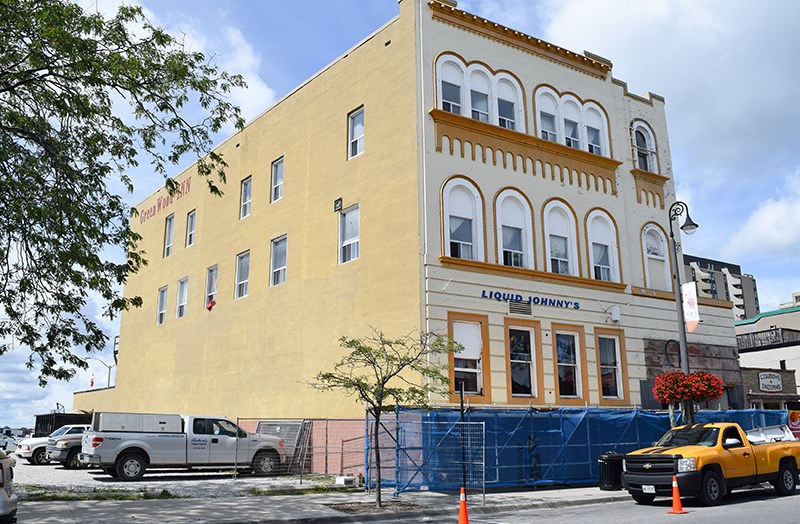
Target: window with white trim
211	286
654	247
514	230
451	98
161	307
356	133
242	274
246	196
183	294
463	221
610	369
569	372
169	227
522	362
190	222
571	137
277	180
467	362
278	261
603	244
507	104
644	146
479	96
560	239
349	232
594	124
567	120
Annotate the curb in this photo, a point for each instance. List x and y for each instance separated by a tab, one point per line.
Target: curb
430	512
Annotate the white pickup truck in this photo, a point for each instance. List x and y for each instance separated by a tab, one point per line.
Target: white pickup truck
124	445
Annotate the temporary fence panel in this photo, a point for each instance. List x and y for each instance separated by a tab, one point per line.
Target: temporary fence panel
532	447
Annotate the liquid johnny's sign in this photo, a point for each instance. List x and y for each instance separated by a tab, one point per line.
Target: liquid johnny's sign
164	201
535	300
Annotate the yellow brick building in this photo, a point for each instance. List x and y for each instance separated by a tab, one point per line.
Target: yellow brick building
446	174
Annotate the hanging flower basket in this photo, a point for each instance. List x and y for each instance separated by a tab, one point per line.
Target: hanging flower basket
705	386
676	386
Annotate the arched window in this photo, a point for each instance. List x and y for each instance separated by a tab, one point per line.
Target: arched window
654	247
463	215
594	124
509	104
451	81
514	244
561	248
548	110
644	145
479	94
602	247
571	114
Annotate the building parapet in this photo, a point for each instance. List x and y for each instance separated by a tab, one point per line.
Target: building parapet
768	338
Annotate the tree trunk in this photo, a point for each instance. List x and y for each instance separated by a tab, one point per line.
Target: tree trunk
687	408
377	448
671	414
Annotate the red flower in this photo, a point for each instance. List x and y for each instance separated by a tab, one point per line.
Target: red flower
675	386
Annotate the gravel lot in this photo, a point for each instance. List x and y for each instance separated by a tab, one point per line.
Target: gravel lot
93	483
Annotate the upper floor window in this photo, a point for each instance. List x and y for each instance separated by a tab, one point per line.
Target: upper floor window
522	362
494	98
169	226
569	362
349	234
277	180
463	213
161	306
356	133
467	368
190	221
242	274
514	230
278	262
654	247
568	120
560	241
610	369
183	293
644	145
211	286
247	194
603	245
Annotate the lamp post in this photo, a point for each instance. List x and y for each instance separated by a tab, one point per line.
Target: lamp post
689	226
108	366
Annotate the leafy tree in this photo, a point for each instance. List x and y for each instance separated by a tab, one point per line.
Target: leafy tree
376	371
66	76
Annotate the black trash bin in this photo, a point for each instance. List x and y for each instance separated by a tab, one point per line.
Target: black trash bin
610	471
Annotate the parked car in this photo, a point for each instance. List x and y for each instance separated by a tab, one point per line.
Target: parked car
34	450
66	448
124	445
8	500
709	460
8	444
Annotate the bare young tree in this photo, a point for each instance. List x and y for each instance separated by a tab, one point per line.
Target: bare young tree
383	371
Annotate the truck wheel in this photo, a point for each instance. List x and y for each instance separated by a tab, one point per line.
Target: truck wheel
266	463
40	457
786	481
131	466
111	471
711	489
72	461
644	499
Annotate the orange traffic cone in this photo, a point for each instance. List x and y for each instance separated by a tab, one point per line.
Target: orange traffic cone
463	518
677	507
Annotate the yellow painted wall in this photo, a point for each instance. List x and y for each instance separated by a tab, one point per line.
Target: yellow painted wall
250	357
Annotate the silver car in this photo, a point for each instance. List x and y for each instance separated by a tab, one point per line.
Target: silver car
8	500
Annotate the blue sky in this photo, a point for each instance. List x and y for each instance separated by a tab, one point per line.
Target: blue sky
727	68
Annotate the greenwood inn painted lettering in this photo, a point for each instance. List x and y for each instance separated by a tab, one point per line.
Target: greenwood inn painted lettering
531	299
164	201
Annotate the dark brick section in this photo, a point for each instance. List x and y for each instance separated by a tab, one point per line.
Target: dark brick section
723	361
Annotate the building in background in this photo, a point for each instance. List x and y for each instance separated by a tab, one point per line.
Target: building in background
794	303
447	174
724	281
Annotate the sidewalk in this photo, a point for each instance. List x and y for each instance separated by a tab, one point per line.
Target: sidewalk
298	508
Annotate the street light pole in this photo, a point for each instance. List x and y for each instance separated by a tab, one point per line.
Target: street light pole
108	366
675	210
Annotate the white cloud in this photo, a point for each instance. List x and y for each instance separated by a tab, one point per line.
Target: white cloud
770	230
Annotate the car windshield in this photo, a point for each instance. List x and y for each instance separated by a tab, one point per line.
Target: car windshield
690	436
59	431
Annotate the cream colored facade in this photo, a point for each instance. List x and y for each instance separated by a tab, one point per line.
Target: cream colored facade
251	356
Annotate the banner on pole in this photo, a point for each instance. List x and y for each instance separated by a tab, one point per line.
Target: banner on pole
691	312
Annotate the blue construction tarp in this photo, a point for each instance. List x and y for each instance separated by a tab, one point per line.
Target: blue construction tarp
536	447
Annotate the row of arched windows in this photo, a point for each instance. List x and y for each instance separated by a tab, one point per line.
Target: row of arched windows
463	232
473	90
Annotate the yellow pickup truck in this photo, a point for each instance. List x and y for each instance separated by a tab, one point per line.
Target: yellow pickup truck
709	460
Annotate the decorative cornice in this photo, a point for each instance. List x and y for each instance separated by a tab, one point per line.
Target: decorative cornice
668	295
647	176
448	14
533	274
